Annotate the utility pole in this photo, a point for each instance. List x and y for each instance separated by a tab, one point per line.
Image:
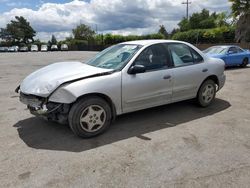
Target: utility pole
187	3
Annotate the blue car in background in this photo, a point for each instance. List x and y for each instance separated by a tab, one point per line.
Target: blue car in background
232	55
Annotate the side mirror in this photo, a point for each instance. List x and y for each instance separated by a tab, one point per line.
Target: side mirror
137	69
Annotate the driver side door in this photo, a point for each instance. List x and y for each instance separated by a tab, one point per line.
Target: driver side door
234	57
151	88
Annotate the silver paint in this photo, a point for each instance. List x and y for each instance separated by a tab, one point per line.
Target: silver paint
127	92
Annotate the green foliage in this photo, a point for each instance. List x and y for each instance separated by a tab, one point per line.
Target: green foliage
240	7
203	20
100	41
215	35
18	31
163	31
184	25
114	39
53	40
205	27
83	32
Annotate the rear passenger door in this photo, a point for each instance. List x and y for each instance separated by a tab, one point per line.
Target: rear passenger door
189	70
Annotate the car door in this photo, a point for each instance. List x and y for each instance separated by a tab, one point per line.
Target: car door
234	56
152	87
189	70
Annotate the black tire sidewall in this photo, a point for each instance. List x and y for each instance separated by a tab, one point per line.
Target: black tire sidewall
199	96
76	111
244	62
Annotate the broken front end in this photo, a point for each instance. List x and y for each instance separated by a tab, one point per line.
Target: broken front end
40	106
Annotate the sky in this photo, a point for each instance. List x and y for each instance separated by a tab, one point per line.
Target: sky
124	17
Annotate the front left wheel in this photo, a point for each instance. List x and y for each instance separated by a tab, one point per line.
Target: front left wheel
89	117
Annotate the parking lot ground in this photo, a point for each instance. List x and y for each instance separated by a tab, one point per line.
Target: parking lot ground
177	145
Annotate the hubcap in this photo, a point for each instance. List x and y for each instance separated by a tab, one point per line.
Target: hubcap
92	118
208	93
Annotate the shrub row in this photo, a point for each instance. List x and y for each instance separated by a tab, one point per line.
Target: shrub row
216	35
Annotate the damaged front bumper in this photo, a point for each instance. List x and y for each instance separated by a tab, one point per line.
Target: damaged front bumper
34	103
39	106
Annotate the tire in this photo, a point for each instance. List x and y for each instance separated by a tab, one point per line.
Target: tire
244	63
90	117
206	93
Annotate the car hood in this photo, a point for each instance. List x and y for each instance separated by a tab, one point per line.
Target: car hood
45	80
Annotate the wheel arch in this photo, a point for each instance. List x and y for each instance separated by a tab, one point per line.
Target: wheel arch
102	96
211	77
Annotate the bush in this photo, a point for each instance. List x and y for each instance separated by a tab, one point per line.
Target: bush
216	35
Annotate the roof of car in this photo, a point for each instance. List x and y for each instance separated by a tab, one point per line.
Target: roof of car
149	42
225	46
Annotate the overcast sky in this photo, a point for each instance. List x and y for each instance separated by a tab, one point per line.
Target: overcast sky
114	16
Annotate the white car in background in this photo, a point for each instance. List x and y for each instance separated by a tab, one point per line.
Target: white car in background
44	48
13	49
34	48
54	47
123	78
64	47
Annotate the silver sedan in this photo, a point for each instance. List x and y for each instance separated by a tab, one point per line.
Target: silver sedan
124	78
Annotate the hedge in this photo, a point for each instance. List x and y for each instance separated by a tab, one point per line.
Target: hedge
216	35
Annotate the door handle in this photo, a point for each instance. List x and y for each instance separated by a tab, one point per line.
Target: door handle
166	77
204	70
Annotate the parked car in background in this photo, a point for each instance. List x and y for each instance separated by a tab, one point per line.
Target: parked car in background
4	49
44	48
231	55
64	47
34	48
124	78
13	49
54	47
24	49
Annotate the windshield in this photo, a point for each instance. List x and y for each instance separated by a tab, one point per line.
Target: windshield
114	57
216	50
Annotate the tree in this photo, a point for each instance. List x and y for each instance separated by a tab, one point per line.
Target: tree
240	7
174	31
204	20
241	11
184	25
5	35
18	31
221	19
83	32
53	40
163	31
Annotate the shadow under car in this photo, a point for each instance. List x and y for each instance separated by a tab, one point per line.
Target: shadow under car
40	134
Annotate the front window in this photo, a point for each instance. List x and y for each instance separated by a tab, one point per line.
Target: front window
115	57
153	58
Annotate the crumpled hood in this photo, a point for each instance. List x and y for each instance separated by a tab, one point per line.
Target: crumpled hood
45	80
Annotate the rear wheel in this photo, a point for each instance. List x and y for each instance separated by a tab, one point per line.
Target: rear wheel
206	93
244	62
89	117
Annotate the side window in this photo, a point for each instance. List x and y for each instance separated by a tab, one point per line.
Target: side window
240	50
233	50
181	55
153	58
197	57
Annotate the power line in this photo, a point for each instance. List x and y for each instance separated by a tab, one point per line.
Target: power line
187	3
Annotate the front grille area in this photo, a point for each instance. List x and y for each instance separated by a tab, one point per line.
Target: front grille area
31	100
